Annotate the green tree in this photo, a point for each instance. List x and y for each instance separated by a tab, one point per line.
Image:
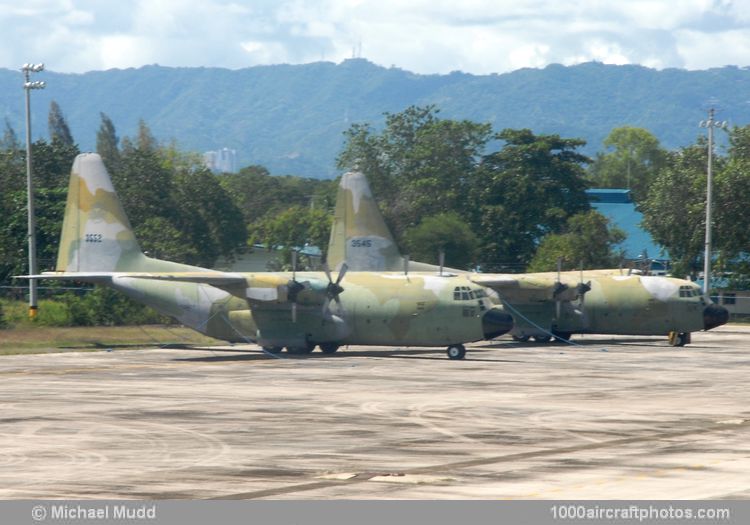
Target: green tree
144	184
674	209
58	127
52	162
161	238
178	209
293	228
258	193
51	168
10	141
107	144
524	191
419	164
208	215
446	232
588	240
633	160
731	230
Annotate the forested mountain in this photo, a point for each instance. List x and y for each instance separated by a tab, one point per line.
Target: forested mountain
290	118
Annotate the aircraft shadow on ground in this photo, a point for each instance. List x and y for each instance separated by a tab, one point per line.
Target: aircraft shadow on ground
433	354
635	341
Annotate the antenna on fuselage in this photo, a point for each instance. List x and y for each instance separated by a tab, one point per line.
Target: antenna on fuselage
559	288
441	258
406	265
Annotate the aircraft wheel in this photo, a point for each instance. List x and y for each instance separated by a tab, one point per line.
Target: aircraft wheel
300	350
562	337
679	338
328	348
456	352
542	338
273	349
520	338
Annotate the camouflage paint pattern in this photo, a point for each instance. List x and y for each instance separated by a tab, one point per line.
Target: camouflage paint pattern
98	245
359	234
617	303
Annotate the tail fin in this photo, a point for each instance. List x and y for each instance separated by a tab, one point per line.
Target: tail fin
359	235
96	234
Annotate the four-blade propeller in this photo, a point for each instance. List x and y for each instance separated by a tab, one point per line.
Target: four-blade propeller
334	288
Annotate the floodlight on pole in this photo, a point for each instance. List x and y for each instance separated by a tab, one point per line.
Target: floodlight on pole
710	124
28	85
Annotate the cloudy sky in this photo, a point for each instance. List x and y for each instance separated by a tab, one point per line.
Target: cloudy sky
425	36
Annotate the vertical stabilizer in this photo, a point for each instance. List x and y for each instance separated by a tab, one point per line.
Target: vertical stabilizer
359	235
96	234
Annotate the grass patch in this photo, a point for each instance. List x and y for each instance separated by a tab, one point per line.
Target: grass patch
45	339
51	313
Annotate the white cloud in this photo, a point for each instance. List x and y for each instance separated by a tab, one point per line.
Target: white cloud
705	50
123	51
426	36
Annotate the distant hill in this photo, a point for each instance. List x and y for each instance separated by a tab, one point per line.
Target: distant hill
290	118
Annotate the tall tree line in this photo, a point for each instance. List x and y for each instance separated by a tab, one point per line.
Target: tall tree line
500	193
505	200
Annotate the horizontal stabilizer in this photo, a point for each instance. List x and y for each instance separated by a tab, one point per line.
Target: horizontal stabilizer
218	279
71	276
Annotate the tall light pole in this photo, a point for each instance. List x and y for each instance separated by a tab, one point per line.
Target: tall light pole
710	124
28	85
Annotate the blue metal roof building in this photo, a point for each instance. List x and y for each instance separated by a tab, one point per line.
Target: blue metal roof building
619	208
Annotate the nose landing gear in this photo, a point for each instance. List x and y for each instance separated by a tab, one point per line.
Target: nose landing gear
456	352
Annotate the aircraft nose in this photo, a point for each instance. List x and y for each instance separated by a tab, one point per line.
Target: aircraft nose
714	315
496	322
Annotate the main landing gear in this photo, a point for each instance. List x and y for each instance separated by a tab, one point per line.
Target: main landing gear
544	338
326	348
679	338
456	352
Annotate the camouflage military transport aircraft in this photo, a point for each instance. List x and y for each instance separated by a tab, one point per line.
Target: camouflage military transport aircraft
296	310
543	305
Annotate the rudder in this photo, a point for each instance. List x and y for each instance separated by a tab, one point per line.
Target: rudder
359	235
96	233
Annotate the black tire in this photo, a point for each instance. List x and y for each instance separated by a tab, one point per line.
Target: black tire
679	339
562	337
542	338
328	348
273	349
520	338
456	352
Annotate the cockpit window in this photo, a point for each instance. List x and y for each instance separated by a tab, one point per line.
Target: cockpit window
689	291
464	293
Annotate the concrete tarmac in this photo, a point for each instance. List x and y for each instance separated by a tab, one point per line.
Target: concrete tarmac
608	418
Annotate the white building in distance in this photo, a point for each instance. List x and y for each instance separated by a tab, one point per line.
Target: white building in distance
221	161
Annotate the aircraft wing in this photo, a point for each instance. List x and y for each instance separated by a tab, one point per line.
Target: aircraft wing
218	279
528	288
260	288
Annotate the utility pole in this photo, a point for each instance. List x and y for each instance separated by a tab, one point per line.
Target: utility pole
710	124
28	85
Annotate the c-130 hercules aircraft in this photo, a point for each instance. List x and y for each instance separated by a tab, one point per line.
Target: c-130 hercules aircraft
543	305
296	310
